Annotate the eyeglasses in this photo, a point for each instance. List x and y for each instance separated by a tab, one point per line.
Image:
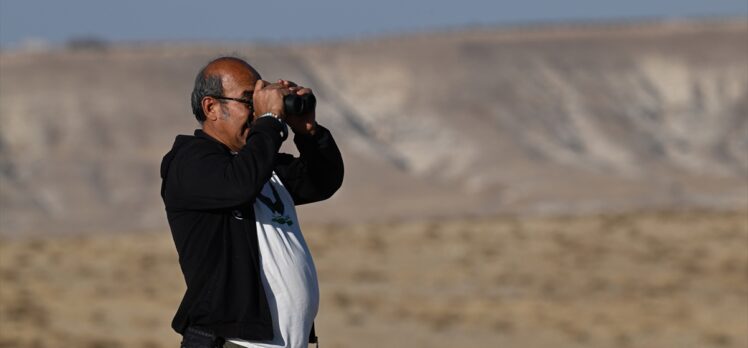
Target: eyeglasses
247	102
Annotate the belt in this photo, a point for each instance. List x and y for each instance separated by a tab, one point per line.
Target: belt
200	338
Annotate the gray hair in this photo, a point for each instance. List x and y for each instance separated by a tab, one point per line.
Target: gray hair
205	85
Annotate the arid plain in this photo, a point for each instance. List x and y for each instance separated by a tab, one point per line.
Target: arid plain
628	280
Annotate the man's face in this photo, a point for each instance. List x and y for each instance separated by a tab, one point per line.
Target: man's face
238	82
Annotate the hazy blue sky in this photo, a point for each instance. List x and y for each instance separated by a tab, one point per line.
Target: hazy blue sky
137	20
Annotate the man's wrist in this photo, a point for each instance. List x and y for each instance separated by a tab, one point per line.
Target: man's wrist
312	130
284	127
305	129
270	114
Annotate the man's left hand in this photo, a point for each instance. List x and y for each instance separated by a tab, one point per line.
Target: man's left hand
305	124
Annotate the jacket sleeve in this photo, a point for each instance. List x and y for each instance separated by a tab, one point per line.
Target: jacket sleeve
206	177
318	171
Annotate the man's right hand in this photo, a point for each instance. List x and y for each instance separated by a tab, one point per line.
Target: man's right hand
268	97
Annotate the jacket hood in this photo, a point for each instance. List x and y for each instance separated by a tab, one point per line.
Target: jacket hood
179	142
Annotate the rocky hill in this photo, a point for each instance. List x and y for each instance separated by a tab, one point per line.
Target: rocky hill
548	119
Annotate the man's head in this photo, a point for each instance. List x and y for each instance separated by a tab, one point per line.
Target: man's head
217	86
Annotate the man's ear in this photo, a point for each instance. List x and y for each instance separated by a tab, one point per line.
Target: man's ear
210	108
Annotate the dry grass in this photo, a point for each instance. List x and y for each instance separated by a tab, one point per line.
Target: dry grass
634	280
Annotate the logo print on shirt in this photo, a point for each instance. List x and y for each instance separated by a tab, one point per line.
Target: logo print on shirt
277	207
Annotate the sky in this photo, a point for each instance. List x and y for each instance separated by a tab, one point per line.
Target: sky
55	22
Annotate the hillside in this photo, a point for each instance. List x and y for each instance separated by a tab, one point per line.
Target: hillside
553	119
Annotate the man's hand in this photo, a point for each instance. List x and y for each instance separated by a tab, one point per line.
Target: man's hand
269	98
300	124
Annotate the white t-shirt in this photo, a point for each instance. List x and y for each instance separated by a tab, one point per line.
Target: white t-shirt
288	272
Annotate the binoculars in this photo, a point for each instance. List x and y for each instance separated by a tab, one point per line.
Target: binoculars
294	104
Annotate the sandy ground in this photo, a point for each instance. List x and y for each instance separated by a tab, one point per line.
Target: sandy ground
633	280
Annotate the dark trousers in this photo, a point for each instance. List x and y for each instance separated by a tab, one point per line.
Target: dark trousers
196	338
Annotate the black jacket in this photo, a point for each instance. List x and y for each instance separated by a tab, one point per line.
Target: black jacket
203	184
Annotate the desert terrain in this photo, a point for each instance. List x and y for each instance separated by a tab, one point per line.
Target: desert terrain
551	186
675	280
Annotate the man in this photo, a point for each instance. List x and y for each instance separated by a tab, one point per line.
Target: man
230	199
